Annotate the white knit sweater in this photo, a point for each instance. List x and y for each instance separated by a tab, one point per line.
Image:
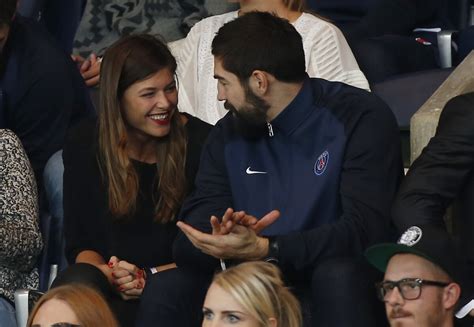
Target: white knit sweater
326	50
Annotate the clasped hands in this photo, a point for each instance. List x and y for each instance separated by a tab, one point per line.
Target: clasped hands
128	279
236	236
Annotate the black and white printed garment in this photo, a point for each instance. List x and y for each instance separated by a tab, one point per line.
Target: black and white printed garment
20	238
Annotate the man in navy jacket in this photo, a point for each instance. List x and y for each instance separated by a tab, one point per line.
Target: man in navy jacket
319	162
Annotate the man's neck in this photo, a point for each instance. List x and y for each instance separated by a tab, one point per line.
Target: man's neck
282	94
448	320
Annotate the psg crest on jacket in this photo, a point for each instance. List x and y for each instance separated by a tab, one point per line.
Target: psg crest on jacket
321	163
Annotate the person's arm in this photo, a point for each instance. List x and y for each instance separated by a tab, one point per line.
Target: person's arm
19	232
331	58
212	196
439	173
371	171
97	260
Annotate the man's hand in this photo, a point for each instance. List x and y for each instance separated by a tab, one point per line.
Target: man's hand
231	219
89	68
240	243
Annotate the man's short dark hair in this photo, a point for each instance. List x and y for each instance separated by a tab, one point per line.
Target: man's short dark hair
7	10
261	41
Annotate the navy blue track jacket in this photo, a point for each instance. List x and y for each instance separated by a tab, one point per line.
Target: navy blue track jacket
332	167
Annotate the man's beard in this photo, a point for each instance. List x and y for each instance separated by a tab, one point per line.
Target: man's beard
250	120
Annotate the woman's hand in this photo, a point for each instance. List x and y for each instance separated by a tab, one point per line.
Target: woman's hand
128	279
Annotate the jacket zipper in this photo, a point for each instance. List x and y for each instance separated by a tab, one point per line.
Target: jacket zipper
270	130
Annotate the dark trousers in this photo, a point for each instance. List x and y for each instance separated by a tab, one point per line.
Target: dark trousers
173	298
339	292
83	273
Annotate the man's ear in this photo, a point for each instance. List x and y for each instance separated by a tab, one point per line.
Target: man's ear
259	82
451	295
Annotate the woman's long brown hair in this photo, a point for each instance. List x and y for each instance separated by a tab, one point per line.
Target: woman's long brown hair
132	59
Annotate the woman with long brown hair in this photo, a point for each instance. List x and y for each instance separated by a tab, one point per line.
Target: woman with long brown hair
72	305
127	174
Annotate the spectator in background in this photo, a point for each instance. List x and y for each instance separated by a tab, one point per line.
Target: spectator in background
41	92
253	294
72	305
20	239
104	21
61	18
422	275
327	55
126	176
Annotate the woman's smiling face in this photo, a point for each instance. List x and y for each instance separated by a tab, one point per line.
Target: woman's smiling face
148	105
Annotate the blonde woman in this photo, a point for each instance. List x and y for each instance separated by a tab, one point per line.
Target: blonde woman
126	175
327	55
251	294
72	305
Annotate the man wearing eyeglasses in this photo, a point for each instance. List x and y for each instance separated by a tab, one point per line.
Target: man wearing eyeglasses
422	271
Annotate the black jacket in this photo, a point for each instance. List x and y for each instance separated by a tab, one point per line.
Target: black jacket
443	175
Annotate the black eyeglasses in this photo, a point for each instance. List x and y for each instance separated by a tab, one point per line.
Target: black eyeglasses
409	288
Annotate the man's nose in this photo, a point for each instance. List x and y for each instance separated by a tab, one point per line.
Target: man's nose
394	297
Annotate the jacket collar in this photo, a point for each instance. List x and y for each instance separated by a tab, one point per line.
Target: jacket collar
298	109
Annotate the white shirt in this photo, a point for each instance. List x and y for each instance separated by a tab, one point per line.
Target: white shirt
327	54
464	311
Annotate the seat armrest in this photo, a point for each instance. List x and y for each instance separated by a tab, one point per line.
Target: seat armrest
444	47
21	306
25	299
53	272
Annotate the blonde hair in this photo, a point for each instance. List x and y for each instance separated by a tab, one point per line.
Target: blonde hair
259	289
90	308
131	59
